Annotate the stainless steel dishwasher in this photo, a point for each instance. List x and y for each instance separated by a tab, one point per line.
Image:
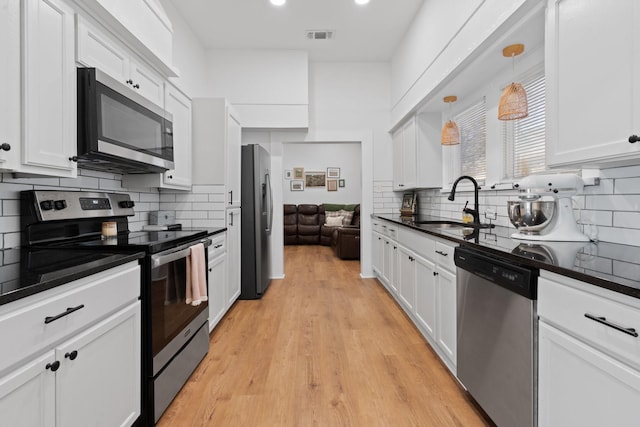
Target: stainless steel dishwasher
497	336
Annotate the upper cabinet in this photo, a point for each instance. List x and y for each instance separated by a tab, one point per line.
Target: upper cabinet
217	136
417	154
593	82
38	88
97	49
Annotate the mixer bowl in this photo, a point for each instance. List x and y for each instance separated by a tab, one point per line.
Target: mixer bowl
531	216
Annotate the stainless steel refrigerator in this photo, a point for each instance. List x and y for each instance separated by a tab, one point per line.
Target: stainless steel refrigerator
257	220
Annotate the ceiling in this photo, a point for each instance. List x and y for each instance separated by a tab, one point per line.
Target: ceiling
362	33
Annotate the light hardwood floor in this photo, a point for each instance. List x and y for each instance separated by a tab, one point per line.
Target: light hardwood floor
322	348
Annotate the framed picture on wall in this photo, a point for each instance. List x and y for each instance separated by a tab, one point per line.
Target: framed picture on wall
333	172
296	185
332	185
288	174
298	173
315	179
341	183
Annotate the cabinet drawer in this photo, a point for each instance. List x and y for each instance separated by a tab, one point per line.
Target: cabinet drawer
22	323
566	307
218	246
443	255
376	224
417	241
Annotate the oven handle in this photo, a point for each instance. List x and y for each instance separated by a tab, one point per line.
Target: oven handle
175	254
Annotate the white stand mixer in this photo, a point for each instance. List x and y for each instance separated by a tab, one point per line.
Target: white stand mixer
556	222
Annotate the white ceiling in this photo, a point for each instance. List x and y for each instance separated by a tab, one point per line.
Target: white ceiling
362	33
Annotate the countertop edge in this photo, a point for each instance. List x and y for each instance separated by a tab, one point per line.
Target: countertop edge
59	281
587	278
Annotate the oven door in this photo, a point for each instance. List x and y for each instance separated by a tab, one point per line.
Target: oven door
173	321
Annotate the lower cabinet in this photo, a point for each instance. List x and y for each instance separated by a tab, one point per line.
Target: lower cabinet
446	320
233	255
91	379
218	302
377	253
407	279
581	386
589	356
426	296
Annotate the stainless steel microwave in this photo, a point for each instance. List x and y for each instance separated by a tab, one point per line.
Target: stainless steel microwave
119	130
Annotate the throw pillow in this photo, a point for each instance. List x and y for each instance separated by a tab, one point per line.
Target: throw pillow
334	221
328	214
347	217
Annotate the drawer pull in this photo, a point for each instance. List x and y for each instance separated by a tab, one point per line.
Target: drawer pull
217	246
70	310
71	355
442	253
53	366
604	321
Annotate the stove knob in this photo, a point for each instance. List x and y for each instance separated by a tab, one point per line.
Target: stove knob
60	204
46	205
127	204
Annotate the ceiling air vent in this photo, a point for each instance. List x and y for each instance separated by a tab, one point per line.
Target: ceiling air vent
320	34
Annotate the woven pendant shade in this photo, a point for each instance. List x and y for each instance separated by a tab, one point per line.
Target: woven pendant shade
450	132
513	103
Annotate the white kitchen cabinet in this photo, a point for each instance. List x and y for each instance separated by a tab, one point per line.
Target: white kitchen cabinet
10	85
48	88
48	375
593	82
108	355
426	309
233	255
27	395
407	279
377	254
217	136
217	270
99	50
589	371
446	304
179	178
417	154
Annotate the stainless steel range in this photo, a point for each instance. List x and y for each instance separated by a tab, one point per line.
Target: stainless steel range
174	333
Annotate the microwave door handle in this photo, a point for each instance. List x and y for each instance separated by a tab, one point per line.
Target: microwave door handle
158	260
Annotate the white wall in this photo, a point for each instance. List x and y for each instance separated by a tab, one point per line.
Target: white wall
318	156
188	55
354	96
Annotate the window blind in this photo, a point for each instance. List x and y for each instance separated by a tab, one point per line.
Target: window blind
472	123
524	139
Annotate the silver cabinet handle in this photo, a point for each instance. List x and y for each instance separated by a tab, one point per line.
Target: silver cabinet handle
604	321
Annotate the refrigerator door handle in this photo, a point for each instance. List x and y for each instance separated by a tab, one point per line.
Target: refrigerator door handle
269	202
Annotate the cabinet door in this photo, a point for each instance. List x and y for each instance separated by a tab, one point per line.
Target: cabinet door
446	334
396	138
10	84
99	379
27	395
578	60
217	290
97	50
233	255
392	274
377	250
147	82
179	105
49	88
234	137
426	296
406	278
409	154
387	259
580	386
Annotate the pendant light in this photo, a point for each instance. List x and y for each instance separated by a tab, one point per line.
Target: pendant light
513	102
450	132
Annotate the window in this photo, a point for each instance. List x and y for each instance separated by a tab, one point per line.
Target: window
473	140
524	139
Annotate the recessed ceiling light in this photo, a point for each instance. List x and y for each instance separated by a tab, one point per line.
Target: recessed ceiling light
278	2
362	1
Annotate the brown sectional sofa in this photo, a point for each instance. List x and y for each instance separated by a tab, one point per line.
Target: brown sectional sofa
305	225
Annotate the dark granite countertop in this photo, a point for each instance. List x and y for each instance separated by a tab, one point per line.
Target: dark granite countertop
25	272
607	265
211	231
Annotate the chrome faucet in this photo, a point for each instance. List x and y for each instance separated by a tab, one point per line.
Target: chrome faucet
475	212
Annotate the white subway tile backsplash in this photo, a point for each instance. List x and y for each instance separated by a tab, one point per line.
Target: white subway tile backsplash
9	224
613	202
12	240
191	215
217	198
167	197
626	219
80	182
627	186
207	189
10	207
192	198
150	197
110	185
205	206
